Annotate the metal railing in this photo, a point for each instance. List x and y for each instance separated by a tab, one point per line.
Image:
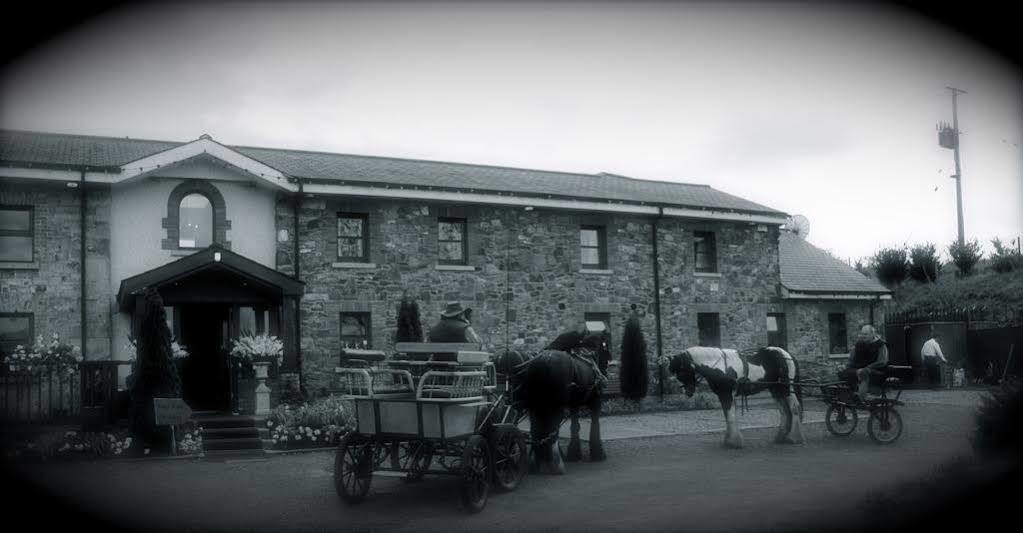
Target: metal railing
59	395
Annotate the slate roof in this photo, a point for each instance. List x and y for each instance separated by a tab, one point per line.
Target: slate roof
806	268
19	148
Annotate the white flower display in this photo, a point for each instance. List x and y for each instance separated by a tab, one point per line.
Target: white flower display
259	348
52	355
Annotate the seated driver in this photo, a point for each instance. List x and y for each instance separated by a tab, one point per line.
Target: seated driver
869	356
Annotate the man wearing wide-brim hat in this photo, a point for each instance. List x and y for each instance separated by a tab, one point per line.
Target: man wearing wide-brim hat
455	325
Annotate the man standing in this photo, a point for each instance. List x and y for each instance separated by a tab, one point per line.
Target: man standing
868	357
931	354
455	325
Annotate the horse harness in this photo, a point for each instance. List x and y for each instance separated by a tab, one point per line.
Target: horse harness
743	385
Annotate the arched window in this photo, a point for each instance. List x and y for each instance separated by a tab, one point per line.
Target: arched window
195	221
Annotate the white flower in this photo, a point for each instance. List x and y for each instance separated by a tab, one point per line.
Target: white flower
317	432
269	423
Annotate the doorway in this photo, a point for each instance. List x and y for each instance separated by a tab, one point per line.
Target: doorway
205	374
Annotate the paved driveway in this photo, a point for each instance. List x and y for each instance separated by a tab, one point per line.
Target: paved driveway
649	483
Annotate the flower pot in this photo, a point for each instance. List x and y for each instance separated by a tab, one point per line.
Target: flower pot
262	391
261	369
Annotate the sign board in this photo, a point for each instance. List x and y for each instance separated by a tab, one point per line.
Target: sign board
171	411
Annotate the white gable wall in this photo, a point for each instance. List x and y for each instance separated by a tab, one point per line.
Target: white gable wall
138	208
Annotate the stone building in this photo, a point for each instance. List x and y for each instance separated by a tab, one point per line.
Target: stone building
826	301
318	248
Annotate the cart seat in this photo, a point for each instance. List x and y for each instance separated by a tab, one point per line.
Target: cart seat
361	357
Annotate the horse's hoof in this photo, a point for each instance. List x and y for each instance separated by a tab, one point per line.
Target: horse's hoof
733	444
790	440
597	457
781	439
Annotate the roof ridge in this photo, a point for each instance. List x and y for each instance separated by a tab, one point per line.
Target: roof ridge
84	136
322	152
656	181
418	160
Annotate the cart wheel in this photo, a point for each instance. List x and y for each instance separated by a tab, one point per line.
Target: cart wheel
884	425
353	468
476	473
412	457
510	457
841	420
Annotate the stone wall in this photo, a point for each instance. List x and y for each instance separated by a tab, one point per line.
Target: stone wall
524	276
50	286
807	323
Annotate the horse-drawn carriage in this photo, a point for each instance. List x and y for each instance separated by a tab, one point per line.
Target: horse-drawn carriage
884	423
433	409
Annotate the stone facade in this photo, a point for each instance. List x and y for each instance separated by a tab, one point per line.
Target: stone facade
50	286
523	275
808	330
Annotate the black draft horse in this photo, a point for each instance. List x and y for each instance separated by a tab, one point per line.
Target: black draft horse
728	375
547	384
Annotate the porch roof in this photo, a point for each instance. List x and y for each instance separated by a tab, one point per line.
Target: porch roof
213	258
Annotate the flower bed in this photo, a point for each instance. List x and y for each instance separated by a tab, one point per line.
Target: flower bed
320	423
71	445
44	356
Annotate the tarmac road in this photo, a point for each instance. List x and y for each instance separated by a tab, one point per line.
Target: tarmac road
658	483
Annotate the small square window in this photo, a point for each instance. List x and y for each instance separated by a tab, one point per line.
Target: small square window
353	237
17	234
709	327
593	247
356	331
15	329
452	241
705	250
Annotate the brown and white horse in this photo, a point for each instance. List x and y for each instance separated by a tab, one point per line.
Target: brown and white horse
729	375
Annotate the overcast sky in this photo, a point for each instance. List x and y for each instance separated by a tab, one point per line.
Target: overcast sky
826	111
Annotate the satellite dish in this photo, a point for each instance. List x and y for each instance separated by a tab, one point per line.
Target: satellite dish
798	225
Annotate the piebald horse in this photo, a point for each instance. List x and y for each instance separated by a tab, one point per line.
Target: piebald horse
729	375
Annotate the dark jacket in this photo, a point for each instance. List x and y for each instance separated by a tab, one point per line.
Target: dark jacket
449	330
866	353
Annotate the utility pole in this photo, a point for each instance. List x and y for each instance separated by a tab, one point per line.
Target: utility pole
949	138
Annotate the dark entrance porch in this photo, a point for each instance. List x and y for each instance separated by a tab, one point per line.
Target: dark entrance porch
213	297
205	373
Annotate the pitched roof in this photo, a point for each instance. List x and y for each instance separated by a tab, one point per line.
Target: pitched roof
806	268
52	149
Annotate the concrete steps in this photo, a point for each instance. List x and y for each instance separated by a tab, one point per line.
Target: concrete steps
226	434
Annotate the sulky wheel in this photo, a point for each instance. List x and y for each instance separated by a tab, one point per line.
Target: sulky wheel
412	457
476	473
353	468
884	425
511	459
840	420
